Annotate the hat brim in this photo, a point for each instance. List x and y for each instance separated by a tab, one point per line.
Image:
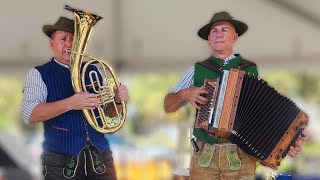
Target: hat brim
48	29
239	26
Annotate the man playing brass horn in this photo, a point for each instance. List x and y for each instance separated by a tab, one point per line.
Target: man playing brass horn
72	148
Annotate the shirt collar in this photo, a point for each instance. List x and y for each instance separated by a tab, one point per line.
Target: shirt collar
66	66
229	58
225	61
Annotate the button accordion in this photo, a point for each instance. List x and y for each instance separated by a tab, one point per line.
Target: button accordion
251	114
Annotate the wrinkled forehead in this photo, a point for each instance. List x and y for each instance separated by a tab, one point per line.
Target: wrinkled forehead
222	24
63	33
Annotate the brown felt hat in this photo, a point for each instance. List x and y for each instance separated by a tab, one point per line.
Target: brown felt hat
239	26
63	24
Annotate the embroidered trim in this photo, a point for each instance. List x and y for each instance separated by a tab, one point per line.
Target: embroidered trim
206	155
71	167
46	171
96	160
233	157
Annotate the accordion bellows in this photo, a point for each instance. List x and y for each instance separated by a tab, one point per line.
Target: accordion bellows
251	114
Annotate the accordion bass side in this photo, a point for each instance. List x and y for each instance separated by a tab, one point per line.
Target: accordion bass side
251	114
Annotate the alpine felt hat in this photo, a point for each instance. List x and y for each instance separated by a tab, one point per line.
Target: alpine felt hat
63	24
239	26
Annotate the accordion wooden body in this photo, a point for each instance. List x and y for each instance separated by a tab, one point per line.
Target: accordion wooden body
251	114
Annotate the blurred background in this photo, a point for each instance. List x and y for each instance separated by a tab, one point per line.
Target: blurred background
150	43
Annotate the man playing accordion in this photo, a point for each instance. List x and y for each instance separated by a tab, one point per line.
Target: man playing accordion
215	158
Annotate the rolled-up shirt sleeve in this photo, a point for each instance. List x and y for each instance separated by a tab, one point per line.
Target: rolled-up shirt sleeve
34	92
186	81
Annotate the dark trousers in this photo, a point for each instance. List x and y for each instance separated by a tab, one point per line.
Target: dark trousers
54	163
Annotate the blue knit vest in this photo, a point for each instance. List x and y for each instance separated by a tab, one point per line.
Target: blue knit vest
68	132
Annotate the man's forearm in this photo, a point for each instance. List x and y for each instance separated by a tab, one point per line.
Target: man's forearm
46	111
173	101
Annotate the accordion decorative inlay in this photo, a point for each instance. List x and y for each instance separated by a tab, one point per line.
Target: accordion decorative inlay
251	114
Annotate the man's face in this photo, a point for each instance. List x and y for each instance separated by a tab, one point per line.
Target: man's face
60	42
222	37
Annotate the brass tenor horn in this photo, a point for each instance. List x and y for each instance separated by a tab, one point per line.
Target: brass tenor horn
100	81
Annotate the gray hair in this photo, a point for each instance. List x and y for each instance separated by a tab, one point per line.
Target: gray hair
53	34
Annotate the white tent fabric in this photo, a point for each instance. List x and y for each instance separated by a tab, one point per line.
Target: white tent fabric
144	35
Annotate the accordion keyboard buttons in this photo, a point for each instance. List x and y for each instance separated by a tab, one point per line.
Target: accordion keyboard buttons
203	114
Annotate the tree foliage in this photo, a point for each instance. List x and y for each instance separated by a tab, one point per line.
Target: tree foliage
10	102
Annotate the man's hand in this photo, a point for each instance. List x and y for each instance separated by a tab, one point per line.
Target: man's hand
84	100
294	150
193	96
121	94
